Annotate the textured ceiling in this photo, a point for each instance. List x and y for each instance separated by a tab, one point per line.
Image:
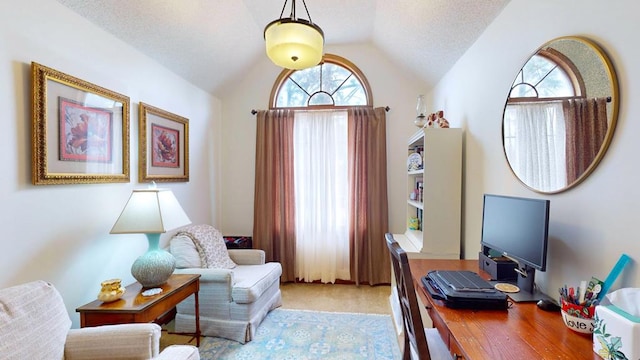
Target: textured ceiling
211	42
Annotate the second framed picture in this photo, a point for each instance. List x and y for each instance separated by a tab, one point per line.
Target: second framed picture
163	146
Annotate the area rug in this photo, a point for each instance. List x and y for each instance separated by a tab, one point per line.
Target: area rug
306	335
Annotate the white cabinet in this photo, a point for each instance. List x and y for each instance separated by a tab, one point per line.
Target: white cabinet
438	207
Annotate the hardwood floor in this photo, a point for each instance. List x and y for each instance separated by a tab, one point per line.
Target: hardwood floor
336	297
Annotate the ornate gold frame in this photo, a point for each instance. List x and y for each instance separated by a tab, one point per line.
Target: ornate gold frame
176	124
50	126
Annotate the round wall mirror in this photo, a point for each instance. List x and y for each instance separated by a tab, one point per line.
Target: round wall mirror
560	114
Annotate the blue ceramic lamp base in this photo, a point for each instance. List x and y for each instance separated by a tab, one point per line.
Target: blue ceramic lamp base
154	267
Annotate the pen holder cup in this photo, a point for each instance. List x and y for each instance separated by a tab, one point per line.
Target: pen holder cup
578	318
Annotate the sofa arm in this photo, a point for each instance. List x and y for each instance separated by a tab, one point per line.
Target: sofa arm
209	275
247	256
125	341
217	281
179	352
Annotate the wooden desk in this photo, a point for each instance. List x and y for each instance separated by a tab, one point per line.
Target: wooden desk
522	332
135	308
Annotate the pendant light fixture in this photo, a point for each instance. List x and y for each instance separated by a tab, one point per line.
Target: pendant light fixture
294	43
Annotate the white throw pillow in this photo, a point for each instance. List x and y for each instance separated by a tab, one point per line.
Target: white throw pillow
185	252
210	245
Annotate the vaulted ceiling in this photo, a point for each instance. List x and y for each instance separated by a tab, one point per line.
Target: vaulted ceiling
211	42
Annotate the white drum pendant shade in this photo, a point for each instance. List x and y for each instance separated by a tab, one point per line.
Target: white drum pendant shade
294	44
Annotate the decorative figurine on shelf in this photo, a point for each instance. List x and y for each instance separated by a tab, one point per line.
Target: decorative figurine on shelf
414	223
112	290
441	121
414	162
430	121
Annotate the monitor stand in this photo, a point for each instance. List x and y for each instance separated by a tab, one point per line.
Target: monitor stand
528	291
522	295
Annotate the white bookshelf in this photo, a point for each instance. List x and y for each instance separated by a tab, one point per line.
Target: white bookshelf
441	207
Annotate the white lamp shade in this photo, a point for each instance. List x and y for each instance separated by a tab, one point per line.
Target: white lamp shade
294	44
150	211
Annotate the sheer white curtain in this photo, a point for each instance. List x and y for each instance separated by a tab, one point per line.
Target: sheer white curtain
321	195
534	140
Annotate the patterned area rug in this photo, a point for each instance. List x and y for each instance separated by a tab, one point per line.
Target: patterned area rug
302	335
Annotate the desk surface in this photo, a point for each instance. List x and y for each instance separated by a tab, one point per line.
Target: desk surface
522	332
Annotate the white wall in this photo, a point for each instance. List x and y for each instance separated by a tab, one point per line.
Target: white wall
60	233
595	222
390	86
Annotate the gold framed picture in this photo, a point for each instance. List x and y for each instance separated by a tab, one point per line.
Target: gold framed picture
80	131
163	145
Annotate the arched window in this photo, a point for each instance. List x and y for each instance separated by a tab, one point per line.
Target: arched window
336	82
327	106
547	75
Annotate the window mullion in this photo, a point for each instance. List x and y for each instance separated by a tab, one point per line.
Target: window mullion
301	88
342	83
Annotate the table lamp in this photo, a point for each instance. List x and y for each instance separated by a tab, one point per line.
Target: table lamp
151	212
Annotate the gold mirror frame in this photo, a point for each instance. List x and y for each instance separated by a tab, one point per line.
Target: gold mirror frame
592	51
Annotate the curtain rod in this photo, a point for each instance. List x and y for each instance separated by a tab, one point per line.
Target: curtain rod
254	111
524	100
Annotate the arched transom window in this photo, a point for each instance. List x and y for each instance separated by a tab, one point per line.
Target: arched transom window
335	82
547	75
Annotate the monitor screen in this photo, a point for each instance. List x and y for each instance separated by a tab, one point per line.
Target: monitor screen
517	227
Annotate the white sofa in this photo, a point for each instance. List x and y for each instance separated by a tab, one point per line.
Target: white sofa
233	302
34	324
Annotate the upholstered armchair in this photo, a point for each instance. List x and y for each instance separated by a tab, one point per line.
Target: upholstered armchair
237	287
34	324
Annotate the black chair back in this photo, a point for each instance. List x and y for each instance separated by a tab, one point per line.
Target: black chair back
414	334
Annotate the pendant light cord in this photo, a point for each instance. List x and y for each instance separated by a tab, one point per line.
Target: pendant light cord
307	10
284	6
293	10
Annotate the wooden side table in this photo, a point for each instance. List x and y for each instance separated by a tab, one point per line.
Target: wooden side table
135	308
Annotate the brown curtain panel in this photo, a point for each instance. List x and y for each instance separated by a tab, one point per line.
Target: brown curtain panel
586	128
274	206
368	218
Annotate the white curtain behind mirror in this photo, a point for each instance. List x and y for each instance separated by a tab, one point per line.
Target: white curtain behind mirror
321	195
534	142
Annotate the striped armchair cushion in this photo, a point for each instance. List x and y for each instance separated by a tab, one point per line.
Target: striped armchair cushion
33	322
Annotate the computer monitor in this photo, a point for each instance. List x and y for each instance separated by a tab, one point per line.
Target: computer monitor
518	228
